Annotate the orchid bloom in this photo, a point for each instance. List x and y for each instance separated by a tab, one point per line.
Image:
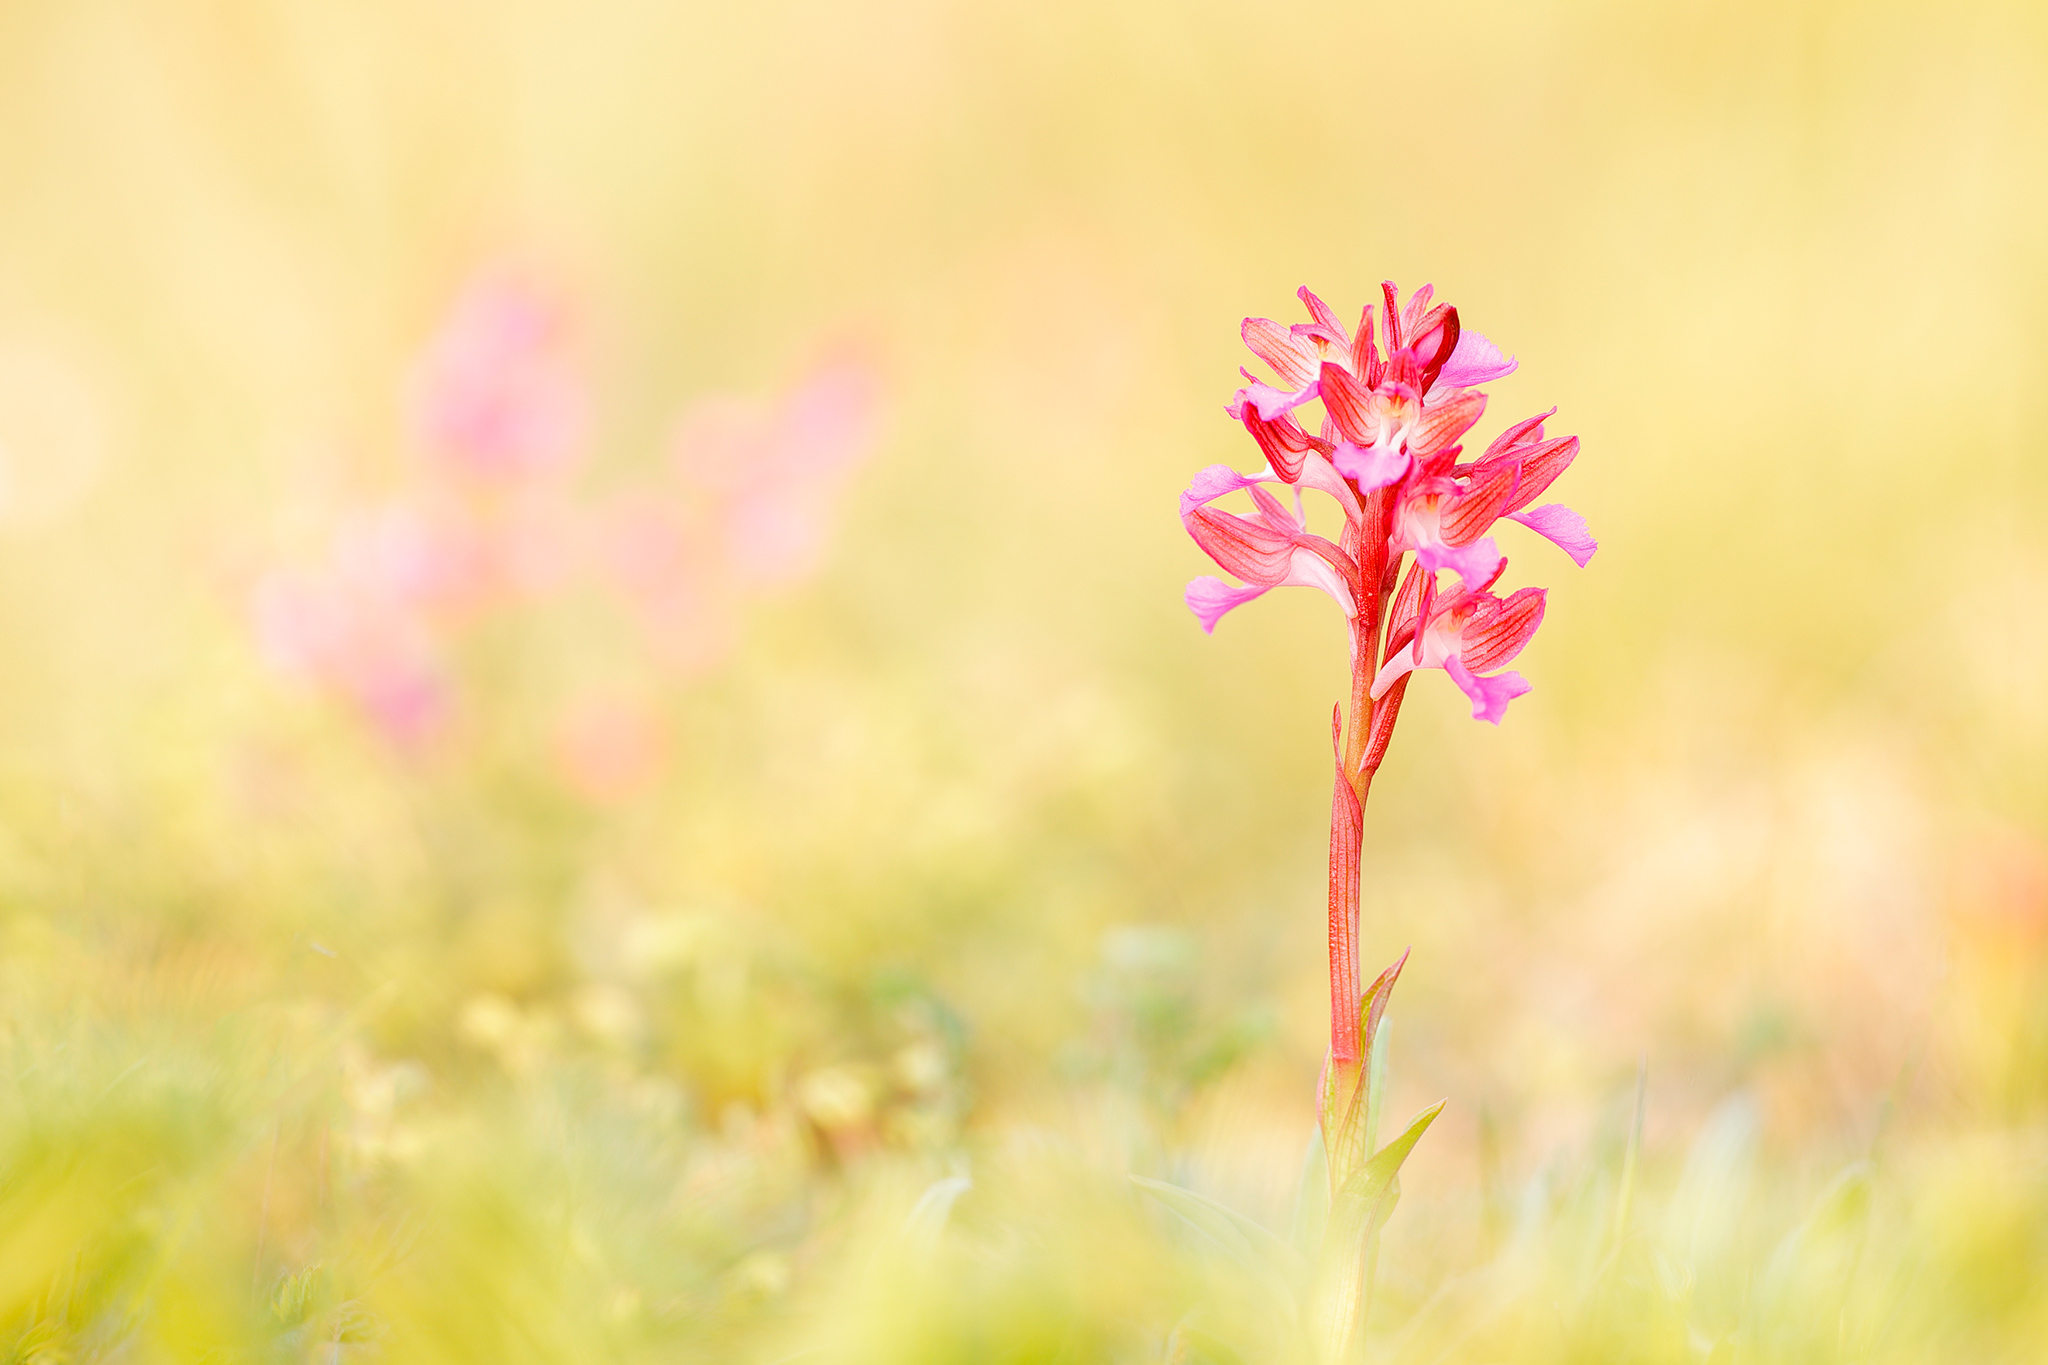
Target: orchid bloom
1399	395
1465	635
1387	453
1267	552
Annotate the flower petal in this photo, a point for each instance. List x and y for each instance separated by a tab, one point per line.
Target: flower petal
1444	421
1497	632
1214	482
1282	441
1475	361
1540	465
1365	355
1475	564
1439	344
1210	598
1526	431
1490	696
1275	514
1345	398
1400	663
1369	466
1316	472
1562	527
1473	511
1293	358
1248	549
1269	401
1320	311
1309	569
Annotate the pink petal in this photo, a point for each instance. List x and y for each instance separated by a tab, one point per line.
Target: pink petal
1445	420
1411	314
1474	564
1210	598
1275	514
1365	355
1345	397
1490	696
1399	665
1309	569
1529	429
1476	361
1268	401
1242	547
1317	473
1370	466
1500	628
1291	357
1473	511
1213	483
1563	527
1539	467
1320	311
1282	442
1439	344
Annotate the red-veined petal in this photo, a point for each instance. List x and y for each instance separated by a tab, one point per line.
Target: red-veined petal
1467	516
1240	546
1444	421
1497	632
1326	319
1293	358
1345	398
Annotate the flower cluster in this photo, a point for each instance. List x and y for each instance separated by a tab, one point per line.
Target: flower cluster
1414	564
1388	454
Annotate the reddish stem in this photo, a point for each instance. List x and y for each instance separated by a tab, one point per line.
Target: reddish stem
1366	544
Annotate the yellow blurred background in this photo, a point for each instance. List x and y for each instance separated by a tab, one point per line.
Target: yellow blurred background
969	854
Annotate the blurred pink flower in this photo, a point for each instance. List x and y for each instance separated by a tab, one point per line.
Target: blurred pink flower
493	394
670	573
770	477
486	523
355	624
611	748
749	507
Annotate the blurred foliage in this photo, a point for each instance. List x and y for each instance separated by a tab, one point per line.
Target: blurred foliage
966	877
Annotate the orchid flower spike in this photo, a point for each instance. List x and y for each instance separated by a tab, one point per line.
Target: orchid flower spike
1399	394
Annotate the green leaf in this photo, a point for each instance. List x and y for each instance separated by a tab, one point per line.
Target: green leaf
1337	1302
1376	1083
1312	1196
1349	1121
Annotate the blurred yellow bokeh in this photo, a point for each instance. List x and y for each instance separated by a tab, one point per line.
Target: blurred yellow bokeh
799	786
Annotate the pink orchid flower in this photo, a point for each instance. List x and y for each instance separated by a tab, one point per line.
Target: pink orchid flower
1465	634
1387	453
1399	394
1269	551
